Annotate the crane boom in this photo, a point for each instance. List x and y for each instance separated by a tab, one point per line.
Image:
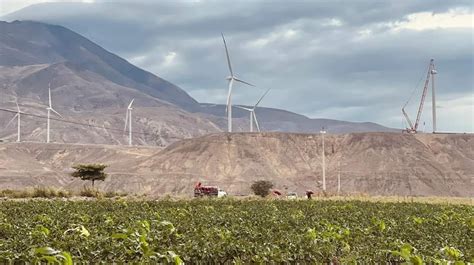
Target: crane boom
406	117
423	96
430	73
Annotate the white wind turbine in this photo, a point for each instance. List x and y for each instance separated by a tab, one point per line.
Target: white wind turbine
49	109
128	120
253	117
18	117
231	79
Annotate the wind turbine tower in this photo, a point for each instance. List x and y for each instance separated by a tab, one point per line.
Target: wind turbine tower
49	109
253	117
18	117
128	120
231	79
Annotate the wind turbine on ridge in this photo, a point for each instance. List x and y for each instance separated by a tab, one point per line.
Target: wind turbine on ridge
128	120
49	109
231	79
18	117
253	117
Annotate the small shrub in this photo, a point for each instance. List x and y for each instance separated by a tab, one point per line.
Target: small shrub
261	187
90	192
64	194
15	194
43	192
111	194
38	192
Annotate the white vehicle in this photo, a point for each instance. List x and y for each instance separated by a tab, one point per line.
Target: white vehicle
221	193
292	195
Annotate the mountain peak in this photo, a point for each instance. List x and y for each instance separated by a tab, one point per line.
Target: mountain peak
30	42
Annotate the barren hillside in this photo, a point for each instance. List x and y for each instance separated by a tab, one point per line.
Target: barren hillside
374	163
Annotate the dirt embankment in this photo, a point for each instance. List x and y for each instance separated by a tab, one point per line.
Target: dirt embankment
373	163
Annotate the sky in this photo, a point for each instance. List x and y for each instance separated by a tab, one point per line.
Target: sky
357	60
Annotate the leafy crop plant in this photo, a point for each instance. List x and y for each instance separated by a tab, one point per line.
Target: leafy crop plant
234	231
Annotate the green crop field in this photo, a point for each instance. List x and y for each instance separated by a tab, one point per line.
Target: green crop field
234	231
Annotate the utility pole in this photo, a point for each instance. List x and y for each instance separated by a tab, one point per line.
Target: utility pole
323	132
339	179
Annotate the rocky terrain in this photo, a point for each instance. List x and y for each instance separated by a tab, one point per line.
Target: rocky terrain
370	163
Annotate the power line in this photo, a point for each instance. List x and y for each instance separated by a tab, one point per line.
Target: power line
73	122
414	88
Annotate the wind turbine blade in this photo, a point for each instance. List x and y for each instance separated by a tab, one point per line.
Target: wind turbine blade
56	113
240	107
49	95
17	107
241	81
264	94
227	54
130	105
229	94
16	115
126	122
256	121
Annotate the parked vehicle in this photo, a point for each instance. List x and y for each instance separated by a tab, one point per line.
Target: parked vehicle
292	195
221	193
211	191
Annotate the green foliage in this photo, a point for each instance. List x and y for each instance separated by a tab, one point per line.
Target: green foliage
51	256
233	231
261	187
90	172
452	254
407	253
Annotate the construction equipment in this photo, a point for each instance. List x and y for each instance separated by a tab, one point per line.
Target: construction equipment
211	191
413	128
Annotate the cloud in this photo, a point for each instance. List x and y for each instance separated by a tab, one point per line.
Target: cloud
353	61
454	18
8	6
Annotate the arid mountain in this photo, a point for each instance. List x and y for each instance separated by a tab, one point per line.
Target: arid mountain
87	98
271	119
92	86
372	163
31	43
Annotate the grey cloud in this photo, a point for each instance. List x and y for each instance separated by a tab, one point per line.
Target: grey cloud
322	69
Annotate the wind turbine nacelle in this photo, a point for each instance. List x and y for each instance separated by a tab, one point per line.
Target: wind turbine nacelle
228	78
433	72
